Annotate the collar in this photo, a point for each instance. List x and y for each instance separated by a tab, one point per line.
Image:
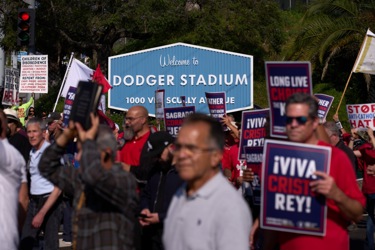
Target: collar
142	136
208	188
42	148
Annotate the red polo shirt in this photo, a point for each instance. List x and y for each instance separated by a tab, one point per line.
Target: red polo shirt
131	152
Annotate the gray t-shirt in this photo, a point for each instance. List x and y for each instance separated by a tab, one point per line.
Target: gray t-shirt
215	217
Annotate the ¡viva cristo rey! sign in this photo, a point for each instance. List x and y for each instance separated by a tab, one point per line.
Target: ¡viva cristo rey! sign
181	70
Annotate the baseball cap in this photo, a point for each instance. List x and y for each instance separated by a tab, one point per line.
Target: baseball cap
53	116
12	115
157	142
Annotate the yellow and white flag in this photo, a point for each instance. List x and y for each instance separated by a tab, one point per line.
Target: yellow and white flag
365	62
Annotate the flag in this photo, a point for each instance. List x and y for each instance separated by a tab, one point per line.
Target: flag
78	71
103	119
365	62
100	79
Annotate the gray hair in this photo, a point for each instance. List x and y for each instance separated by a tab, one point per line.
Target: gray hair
36	120
331	128
105	139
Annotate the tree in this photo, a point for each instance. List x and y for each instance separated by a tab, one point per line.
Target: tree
331	35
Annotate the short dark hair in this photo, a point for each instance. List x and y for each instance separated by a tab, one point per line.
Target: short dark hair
303	98
216	133
105	139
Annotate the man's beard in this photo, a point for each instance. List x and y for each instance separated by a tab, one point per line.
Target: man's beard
128	133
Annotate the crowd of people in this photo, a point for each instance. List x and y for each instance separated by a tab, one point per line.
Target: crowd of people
139	188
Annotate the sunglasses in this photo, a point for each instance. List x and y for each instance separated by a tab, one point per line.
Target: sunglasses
301	120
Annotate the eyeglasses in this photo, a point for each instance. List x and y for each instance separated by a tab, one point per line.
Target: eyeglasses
193	149
130	119
301	120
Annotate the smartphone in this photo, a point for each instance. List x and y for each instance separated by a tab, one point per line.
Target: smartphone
142	216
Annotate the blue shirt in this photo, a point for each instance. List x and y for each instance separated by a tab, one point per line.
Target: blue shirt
39	185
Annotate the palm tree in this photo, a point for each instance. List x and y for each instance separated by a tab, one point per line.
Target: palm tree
333	29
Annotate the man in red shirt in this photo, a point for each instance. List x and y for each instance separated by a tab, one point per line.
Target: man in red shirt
344	200
136	132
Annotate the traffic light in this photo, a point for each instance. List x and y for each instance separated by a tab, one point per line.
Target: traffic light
26	27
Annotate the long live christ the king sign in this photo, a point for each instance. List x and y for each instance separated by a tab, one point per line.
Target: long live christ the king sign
182	70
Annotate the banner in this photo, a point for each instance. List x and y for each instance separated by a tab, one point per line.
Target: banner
288	203
253	131
11	85
78	71
173	118
283	80
361	116
183	70
254	159
366	60
34	74
325	102
159	103
69	99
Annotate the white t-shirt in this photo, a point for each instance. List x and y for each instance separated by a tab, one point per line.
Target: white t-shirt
12	173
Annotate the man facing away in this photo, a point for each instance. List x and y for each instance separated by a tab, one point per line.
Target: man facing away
12	174
344	199
206	213
105	196
44	210
333	133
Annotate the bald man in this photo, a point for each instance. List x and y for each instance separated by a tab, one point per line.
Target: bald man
136	133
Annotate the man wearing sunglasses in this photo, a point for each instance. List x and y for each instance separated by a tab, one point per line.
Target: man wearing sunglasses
344	199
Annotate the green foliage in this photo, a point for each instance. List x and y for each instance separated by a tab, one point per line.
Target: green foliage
46	102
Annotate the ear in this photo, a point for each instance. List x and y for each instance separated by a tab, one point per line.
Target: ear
216	157
315	122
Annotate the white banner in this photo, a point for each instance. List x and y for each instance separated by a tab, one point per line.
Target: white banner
78	71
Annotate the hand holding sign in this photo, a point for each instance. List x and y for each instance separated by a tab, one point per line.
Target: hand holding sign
326	185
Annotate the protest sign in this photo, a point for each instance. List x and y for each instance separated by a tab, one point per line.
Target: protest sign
159	103
253	131
11	85
68	104
254	159
173	118
283	80
325	102
288	203
34	74
216	104
361	116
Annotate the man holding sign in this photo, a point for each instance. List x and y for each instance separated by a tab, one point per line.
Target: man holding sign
344	200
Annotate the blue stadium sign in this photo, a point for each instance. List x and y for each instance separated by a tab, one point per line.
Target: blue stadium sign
182	70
